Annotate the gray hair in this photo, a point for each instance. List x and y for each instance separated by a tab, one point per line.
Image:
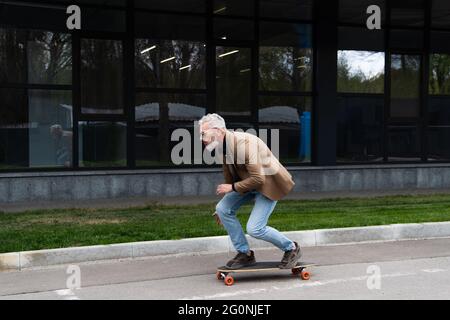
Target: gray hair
214	120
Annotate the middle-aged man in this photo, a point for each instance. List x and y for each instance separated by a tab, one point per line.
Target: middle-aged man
251	171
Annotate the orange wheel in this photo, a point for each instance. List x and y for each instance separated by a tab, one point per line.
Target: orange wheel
219	275
305	275
229	281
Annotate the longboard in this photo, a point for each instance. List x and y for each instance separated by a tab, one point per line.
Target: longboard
223	272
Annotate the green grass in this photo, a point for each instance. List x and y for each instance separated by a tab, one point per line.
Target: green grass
45	229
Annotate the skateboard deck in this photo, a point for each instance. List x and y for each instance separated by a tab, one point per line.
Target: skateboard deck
223	272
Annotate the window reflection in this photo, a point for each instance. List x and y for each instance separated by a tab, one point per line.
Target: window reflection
157	116
35	128
291	116
170	64
101	76
405	86
439	74
12	55
233	80
37	57
102	144
49	58
285	57
438	138
233	29
404	143
359	129
234	7
360	71
50	133
13	128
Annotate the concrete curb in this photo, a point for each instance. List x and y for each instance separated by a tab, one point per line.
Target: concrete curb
310	238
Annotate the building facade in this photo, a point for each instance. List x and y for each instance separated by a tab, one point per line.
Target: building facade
90	113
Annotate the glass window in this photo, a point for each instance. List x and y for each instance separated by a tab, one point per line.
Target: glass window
49	58
233	80
13	46
438	141
404	143
439	41
287	121
50	130
118	3
233	29
102	144
285	57
172	5
439	111
439	82
157	116
405	86
168	26
13	128
355	11
288	9
170	64
360	129
40	123
354	38
96	19
101	76
360	71
407	13
26	14
37	57
406	39
440	14
234	7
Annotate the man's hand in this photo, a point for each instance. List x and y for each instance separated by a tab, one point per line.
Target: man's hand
216	216
223	188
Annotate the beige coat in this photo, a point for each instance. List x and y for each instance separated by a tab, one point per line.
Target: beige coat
250	164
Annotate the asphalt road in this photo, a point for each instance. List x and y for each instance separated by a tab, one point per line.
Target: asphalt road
390	270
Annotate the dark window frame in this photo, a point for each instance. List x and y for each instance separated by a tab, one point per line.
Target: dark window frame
128	37
422	120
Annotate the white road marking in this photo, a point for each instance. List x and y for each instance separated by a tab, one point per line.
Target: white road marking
295	286
433	270
64	292
68	294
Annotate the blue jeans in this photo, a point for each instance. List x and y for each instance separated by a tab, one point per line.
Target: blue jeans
257	223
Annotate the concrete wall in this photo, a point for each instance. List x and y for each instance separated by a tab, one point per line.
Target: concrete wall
48	186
